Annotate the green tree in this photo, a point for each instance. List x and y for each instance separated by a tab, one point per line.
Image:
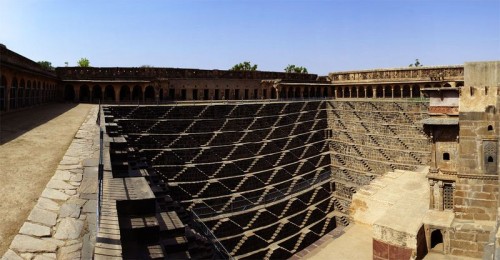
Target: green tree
46	65
416	64
84	62
246	65
295	69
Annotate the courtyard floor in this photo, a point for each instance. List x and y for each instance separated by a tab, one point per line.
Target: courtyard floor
32	143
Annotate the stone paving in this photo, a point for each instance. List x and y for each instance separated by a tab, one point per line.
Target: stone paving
62	223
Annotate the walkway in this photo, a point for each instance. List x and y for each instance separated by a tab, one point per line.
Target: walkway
33	142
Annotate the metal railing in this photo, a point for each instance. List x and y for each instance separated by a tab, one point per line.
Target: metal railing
217	245
100	171
248	203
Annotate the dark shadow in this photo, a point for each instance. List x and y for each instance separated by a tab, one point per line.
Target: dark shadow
16	123
437	241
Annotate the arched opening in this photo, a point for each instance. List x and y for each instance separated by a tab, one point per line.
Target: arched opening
96	93
347	92
490	128
84	93
312	92
69	93
415	91
137	93
325	91
397	91
109	93
490	110
437	240
490	159
446	156
161	94
28	93
13	94
290	92
388	91
297	92
124	93
459	84
406	91
447	85
318	92
380	93
282	93
306	92
273	93
3	92
369	92
21	93
149	94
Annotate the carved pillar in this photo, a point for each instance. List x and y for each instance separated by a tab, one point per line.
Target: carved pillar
383	92
117	93
411	91
357	92
401	91
374	91
364	91
431	194
392	91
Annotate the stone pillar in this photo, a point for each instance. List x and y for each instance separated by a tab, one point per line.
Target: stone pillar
440	197
401	91
374	91
383	92
411	91
364	90
357	92
392	91
431	194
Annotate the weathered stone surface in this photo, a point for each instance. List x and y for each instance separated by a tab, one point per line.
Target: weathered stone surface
76	177
48	204
42	216
54	194
90	206
90	162
69	228
54	241
69	161
70	249
77	201
44	257
23	243
11	255
34	230
60	185
70	192
69	210
61	175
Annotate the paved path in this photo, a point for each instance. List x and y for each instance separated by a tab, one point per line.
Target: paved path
33	143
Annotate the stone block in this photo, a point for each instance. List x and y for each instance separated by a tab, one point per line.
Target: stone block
483	237
69	210
464	245
54	194
34	230
467	236
47	204
69	228
27	244
45	217
11	255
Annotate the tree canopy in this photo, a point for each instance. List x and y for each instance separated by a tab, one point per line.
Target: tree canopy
416	64
246	65
46	65
83	62
295	69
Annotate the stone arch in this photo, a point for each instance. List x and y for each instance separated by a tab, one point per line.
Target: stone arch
137	93
96	93
3	93
69	93
84	93
149	94
379	92
109	93
125	93
22	85
447	85
388	91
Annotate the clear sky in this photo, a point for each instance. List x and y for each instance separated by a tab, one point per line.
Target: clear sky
323	36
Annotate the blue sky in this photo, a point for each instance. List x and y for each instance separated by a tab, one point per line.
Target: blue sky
323	36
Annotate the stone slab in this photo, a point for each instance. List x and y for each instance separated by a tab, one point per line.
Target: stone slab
42	216
60	185
27	244
69	210
34	230
48	204
69	228
11	255
54	194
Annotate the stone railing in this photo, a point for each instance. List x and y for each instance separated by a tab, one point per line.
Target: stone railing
400	74
78	73
10	58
